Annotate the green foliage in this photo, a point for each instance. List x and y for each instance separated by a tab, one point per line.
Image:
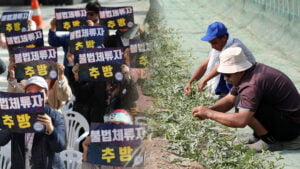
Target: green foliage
207	142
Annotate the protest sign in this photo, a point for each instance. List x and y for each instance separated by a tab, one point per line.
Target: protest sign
116	145
100	64
86	37
15	21
67	18
139	52
38	61
29	39
117	17
18	111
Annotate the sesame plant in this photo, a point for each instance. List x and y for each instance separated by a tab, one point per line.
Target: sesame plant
207	142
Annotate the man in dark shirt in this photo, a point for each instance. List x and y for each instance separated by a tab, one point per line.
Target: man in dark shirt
265	99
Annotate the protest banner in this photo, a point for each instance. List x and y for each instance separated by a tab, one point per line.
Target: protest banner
86	37
116	145
139	52
117	17
14	21
29	39
67	18
100	64
35	62
18	111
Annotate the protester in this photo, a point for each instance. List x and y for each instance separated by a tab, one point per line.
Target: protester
38	150
118	116
55	40
59	89
265	99
219	39
122	95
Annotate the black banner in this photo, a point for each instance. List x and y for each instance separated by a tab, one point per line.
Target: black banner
117	17
29	39
67	18
37	61
18	111
139	52
100	64
14	21
86	37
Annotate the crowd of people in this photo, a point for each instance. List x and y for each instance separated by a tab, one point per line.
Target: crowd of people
93	99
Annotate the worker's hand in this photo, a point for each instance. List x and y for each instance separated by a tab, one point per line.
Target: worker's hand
46	120
201	112
201	85
85	145
187	89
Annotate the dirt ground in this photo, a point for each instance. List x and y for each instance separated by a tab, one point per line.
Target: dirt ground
157	156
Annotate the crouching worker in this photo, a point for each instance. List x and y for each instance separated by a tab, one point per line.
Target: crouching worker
265	99
38	150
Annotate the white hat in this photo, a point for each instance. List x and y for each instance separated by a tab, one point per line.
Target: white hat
37	80
233	60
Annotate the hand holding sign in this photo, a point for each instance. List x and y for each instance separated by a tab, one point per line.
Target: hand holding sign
46	120
60	69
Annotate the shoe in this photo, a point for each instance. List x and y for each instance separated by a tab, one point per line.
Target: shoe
260	145
248	139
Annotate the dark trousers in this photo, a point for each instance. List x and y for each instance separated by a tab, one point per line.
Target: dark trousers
281	125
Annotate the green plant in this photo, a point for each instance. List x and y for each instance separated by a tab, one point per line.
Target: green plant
207	142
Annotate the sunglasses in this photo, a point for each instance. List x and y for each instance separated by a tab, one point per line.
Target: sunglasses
227	75
91	13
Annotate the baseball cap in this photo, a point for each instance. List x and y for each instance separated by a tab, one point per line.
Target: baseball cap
233	60
214	30
37	80
118	116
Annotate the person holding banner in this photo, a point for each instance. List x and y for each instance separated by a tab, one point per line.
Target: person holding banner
59	90
123	95
38	150
63	41
31	26
118	116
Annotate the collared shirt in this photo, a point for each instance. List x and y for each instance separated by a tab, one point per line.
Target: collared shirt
262	84
214	59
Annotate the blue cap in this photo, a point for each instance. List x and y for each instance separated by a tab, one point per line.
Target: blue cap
214	30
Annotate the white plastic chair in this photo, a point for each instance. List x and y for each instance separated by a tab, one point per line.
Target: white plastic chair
71	158
75	122
68	106
5	159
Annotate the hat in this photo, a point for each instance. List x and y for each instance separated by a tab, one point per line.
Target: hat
214	30
37	80
233	60
118	116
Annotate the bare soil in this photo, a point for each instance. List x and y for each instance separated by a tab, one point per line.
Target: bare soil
157	156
